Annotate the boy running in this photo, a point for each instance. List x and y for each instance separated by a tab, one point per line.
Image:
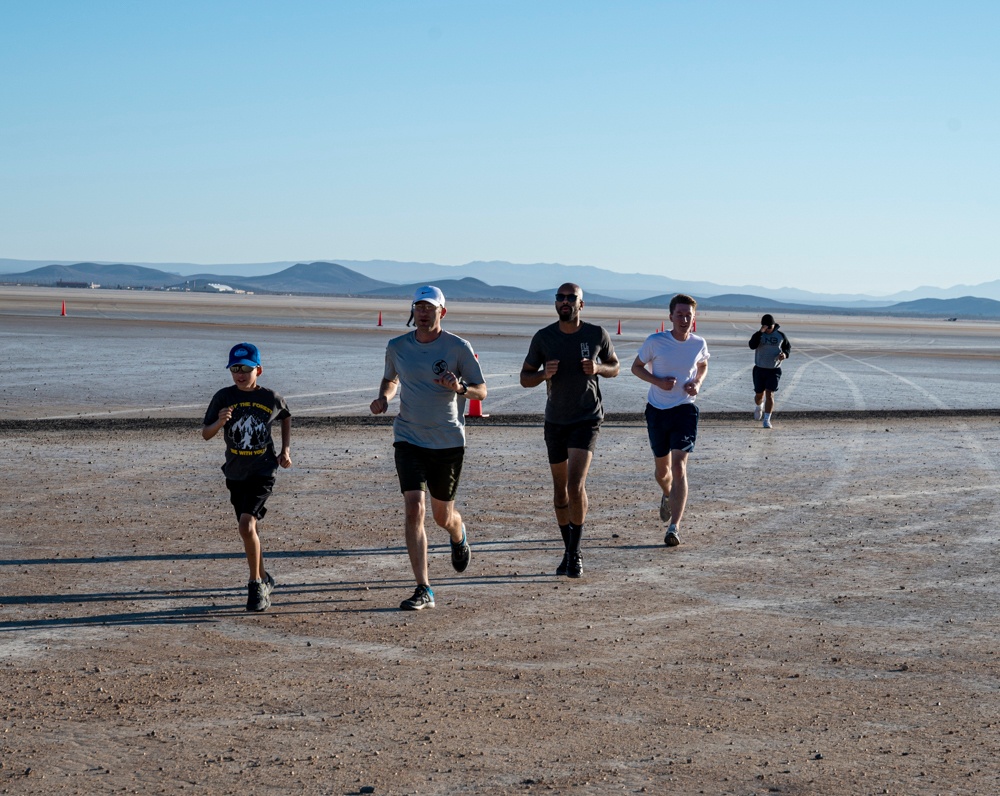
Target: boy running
245	413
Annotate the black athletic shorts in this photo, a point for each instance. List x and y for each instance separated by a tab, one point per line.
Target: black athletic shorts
673	429
765	379
560	437
434	470
249	495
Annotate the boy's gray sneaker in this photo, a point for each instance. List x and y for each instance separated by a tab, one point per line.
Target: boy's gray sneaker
422	598
269	582
258	596
461	553
671	539
665	508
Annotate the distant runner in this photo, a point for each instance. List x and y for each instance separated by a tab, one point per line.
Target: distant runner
771	348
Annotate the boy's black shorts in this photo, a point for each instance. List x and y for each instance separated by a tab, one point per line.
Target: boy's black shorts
249	495
434	470
560	437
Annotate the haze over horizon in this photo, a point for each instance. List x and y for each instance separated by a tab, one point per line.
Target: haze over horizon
841	148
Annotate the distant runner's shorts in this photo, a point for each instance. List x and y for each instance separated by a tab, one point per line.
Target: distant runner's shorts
560	437
249	495
434	470
673	429
765	379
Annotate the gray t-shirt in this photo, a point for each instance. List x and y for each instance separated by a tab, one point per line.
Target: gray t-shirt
430	415
573	396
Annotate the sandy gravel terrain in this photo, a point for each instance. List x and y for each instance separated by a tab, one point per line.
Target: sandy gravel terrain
828	626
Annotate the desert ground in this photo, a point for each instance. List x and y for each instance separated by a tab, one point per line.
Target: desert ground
828	625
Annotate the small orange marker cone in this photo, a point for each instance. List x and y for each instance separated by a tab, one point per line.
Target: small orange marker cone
380	317
475	409
662	326
475	405
63	308
619	327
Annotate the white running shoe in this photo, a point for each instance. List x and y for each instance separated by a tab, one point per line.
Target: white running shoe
767	422
758	411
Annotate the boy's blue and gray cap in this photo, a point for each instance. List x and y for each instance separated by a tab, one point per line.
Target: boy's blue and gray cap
430	294
244	354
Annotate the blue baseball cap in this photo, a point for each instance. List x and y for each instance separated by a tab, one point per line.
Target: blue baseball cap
244	354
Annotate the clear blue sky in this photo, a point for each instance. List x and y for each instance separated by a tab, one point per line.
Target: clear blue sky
831	146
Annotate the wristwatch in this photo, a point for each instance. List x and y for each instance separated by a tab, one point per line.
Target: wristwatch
465	386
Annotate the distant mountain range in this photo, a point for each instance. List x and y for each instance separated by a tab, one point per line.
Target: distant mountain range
491	282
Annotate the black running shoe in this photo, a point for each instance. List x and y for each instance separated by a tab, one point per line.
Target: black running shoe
574	567
422	598
563	567
258	596
461	553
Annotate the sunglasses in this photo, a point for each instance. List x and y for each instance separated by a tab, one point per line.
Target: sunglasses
566	297
242	368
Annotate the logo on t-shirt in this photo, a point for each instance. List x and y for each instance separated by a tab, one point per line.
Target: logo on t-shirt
440	367
249	433
584	350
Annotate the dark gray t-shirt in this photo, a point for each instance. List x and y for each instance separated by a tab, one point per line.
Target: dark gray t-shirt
573	396
249	446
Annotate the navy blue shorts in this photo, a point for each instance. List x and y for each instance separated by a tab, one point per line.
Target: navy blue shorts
434	470
560	437
249	495
673	429
765	379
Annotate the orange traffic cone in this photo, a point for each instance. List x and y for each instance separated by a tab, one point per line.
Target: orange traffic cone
380	317
475	405
619	327
63	308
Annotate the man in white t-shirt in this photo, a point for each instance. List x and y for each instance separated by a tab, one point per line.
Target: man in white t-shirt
674	363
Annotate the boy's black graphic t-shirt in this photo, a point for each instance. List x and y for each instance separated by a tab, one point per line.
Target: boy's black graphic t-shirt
249	445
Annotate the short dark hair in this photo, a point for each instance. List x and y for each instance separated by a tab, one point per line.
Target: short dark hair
767	320
682	298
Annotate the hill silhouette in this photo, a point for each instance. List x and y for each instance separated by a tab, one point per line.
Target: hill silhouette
334	279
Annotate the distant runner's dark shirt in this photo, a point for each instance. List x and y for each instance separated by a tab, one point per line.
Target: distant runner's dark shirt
249	445
573	396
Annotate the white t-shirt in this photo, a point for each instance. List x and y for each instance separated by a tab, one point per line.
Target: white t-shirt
667	356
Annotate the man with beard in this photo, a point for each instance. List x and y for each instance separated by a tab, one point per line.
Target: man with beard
570	356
